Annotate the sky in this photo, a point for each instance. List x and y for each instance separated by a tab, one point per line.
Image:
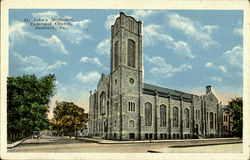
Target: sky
184	50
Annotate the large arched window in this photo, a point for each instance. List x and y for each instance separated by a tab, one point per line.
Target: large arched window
116	54
102	103
131	53
148	114
211	120
175	117
163	115
131	124
186	112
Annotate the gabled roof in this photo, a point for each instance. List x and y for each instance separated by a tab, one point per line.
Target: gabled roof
164	92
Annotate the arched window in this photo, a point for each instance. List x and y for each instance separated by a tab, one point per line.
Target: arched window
211	120
215	118
175	117
148	114
186	112
116	54
102	103
131	124
163	115
131	53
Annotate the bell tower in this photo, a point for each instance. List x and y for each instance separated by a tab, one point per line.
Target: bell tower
126	43
126	76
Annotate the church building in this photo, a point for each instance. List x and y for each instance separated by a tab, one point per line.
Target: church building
123	107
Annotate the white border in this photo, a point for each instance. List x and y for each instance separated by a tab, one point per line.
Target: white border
125	4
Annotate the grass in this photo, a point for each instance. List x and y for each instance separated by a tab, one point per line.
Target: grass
10	141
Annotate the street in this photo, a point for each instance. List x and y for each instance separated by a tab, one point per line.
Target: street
65	144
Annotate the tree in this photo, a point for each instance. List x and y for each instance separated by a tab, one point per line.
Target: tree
69	117
27	103
237	107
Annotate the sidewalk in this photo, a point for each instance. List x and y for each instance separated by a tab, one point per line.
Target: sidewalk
208	141
12	145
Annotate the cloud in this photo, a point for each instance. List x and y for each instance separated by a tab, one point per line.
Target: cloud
94	60
73	33
77	32
53	42
103	47
110	21
209	64
193	29
33	64
17	33
234	56
238	30
218	79
153	33
217	67
91	77
45	14
139	14
162	68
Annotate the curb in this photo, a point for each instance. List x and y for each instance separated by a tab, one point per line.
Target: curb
164	141
199	145
13	145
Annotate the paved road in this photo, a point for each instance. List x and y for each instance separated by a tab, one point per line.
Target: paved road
63	144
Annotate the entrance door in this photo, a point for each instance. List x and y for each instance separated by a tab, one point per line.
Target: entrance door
197	129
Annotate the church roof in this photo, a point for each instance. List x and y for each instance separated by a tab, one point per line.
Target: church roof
165	92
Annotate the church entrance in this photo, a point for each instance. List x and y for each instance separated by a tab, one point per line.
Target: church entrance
131	136
197	129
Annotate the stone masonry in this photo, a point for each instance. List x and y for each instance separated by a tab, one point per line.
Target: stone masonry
124	108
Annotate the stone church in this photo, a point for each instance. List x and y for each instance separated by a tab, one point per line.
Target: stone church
123	107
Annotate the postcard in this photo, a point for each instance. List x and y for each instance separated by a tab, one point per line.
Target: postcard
128	80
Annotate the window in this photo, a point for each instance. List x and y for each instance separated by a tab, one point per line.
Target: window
199	114
165	136
131	106
151	136
131	24
148	114
108	107
131	53
215	118
131	136
115	81
115	123
196	114
116	106
116	54
186	112
131	124
175	117
131	80
163	115
207	116
161	135
146	135
102	103
211	120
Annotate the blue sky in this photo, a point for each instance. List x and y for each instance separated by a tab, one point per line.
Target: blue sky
182	49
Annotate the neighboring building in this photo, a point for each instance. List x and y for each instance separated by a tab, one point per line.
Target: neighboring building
125	108
227	121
